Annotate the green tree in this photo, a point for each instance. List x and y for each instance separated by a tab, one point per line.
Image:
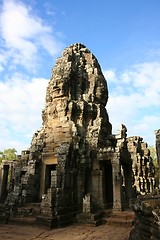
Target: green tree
8	154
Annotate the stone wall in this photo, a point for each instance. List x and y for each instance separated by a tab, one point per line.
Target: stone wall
147	208
142	165
157	143
157	133
147	221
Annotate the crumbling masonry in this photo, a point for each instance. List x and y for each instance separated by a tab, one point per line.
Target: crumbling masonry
75	165
147	210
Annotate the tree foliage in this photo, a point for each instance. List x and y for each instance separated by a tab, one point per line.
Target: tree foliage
8	154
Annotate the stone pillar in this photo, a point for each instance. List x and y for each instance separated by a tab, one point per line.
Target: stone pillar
97	189
117	185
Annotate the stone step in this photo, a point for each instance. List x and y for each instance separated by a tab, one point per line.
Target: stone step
126	215
46	221
66	219
97	222
26	214
91	219
62	220
29	209
123	218
107	213
119	222
23	220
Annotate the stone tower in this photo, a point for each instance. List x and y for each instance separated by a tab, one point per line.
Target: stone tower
75	164
75	125
75	129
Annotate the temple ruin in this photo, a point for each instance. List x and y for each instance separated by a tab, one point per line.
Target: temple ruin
147	209
157	134
76	167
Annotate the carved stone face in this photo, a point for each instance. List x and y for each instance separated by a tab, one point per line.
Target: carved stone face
78	76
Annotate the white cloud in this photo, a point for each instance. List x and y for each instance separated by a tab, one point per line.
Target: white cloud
111	75
24	33
134	97
24	39
50	10
146	126
21	103
145	75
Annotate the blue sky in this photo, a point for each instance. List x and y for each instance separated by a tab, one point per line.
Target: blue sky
123	35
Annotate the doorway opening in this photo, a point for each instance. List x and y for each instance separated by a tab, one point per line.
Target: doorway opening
50	168
107	183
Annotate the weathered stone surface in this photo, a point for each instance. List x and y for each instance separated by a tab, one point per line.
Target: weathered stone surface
157	133
147	208
157	143
147	221
75	127
75	101
75	154
71	232
142	165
